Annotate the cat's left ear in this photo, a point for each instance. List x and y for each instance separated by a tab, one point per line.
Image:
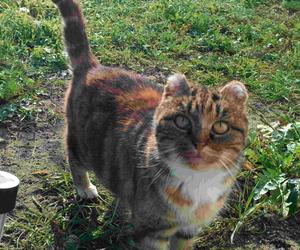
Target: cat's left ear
177	85
235	91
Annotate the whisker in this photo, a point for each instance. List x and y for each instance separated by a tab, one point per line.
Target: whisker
149	166
237	167
231	174
157	175
155	156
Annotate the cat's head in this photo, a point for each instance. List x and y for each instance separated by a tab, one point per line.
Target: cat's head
201	128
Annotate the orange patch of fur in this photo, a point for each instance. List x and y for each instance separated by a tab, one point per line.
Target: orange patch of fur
176	196
139	99
127	123
221	201
204	212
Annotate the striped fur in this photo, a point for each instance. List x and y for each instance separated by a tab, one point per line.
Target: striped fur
76	40
156	149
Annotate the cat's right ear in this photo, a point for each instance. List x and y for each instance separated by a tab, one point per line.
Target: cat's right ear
177	85
235	91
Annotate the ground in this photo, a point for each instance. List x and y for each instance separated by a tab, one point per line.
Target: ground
34	151
212	42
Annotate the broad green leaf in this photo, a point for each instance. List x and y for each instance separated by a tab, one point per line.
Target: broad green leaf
294	196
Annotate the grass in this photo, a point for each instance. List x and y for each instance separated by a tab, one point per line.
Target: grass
212	42
30	51
57	216
275	153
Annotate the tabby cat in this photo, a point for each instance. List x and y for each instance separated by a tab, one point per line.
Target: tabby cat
169	154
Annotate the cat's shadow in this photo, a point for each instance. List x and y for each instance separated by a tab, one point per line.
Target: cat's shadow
90	225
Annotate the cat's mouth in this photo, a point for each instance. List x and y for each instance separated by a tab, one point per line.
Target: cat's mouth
192	157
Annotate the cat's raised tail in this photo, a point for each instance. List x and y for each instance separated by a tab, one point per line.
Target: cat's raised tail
75	36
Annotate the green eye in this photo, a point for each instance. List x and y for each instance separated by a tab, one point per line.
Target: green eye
182	122
220	127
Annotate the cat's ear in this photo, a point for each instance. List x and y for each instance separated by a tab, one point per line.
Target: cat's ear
177	85
235	91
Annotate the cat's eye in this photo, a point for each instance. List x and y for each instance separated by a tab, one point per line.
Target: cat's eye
220	127
182	122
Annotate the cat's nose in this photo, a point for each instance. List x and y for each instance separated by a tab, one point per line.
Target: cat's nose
202	144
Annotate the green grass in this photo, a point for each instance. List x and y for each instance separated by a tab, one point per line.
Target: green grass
57	216
275	152
212	42
30	50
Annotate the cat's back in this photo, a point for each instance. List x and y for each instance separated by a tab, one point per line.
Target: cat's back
109	88
106	108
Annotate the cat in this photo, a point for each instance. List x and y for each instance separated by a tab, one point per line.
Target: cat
169	154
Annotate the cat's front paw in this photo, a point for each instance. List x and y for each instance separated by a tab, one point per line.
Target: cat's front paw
89	192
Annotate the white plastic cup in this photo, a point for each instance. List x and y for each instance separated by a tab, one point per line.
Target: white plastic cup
9	185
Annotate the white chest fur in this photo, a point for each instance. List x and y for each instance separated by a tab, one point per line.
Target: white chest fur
201	187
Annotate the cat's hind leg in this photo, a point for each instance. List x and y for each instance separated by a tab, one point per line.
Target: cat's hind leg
81	180
85	189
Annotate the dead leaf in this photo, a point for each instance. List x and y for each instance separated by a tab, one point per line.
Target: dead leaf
41	172
248	166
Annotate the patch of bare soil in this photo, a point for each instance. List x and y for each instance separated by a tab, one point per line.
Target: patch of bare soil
35	147
273	232
266	232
